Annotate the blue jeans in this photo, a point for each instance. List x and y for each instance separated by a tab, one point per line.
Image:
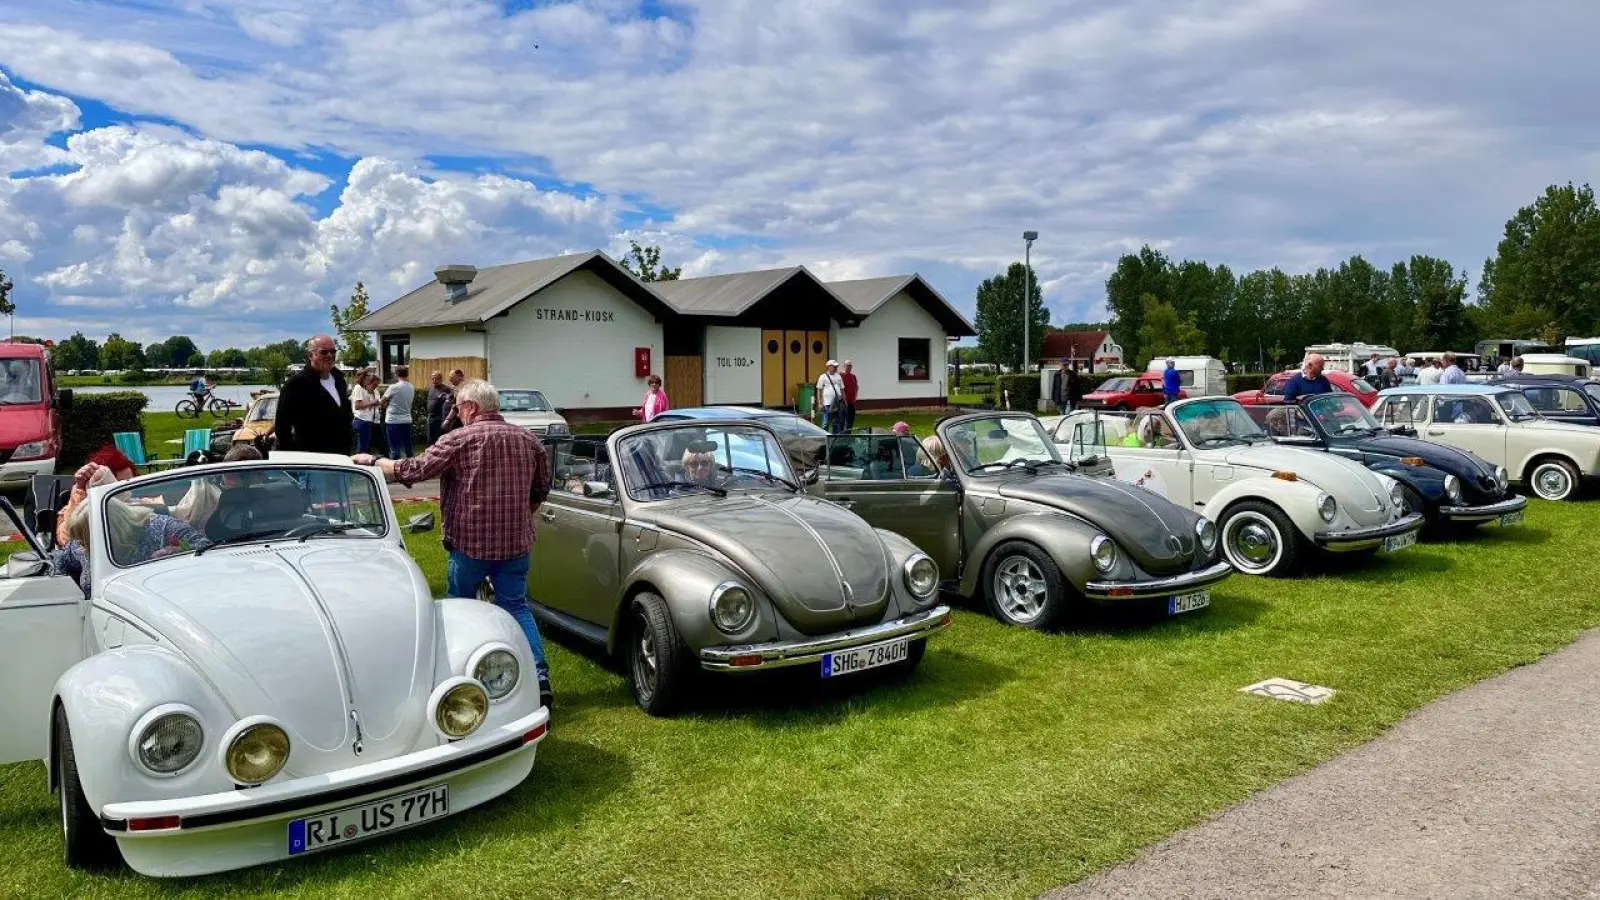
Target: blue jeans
509	578
833	419
363	435
399	440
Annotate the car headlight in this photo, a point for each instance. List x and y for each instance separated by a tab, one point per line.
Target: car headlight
257	753
1502	477
557	428
497	670
922	576
1327	507
1206	531
166	742
1397	496
1103	553
31	450
1452	488
732	608
459	706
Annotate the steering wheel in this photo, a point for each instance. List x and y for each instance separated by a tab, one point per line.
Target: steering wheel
231	517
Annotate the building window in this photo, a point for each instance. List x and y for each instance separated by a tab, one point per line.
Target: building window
394	350
915	357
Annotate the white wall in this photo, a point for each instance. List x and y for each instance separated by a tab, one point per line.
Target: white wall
574	340
444	343
874	348
732	366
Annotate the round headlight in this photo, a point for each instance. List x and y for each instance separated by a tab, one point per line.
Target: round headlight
169	743
1501	477
1206	531
498	672
257	753
1327	507
1452	488
1103	553
922	576
461	710
1397	496
732	608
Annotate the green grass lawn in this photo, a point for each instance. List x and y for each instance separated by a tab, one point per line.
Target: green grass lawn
1011	762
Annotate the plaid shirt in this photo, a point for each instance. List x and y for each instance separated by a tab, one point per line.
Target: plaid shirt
491	476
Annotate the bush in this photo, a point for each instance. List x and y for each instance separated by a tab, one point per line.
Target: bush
1023	389
93	419
133	376
1246	382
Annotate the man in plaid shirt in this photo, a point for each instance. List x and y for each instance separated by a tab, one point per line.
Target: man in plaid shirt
485	469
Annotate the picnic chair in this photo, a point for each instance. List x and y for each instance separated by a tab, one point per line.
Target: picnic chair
197	447
131	443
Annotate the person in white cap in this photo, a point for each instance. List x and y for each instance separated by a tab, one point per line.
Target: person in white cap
830	395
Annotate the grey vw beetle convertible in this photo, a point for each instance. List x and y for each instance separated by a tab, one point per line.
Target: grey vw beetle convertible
684	546
1012	524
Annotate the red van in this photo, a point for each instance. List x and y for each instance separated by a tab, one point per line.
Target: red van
30	414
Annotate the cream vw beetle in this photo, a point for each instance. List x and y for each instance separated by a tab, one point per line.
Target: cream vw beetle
1271	503
259	671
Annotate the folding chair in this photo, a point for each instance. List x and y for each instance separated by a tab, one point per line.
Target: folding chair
197	445
131	443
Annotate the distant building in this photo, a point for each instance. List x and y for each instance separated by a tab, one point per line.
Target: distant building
1091	350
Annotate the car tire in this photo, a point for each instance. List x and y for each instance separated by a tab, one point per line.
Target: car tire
1258	539
1120	407
86	845
1024	587
657	660
1553	479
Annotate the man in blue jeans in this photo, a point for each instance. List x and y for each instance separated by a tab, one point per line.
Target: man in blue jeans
485	469
1171	381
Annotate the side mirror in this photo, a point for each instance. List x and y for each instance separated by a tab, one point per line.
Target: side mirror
811	476
420	523
64	399
596	489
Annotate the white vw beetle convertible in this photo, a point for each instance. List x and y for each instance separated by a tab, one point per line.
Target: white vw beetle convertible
259	671
1271	503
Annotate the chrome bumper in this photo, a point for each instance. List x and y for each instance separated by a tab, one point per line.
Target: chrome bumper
1104	591
1366	538
749	657
1483	513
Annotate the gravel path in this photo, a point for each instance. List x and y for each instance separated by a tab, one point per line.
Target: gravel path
1490	792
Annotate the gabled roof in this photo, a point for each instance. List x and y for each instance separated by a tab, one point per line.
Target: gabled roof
495	289
1072	344
734	294
865	296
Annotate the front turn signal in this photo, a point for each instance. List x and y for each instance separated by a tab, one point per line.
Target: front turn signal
1286	476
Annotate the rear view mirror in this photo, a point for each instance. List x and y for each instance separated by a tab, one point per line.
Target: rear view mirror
420	523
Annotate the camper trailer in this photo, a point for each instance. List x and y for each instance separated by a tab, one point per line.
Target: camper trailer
1554	364
1350	357
1203	376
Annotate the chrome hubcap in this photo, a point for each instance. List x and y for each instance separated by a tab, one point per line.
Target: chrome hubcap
1019	589
644	666
1252	542
1551	482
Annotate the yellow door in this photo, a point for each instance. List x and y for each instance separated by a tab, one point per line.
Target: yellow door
773	387
794	360
816	355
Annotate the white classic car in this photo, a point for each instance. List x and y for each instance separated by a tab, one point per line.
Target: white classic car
1497	423
1270	502
530	410
258	671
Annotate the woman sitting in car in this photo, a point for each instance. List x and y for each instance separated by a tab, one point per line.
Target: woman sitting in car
137	534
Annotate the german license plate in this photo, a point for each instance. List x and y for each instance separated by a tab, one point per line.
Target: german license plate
1511	518
1399	541
860	659
1183	603
356	823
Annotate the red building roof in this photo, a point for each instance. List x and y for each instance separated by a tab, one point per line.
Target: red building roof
1081	345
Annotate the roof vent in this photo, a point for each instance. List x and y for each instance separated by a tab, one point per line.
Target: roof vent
456	279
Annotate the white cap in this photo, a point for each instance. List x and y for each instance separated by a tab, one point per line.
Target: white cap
833	362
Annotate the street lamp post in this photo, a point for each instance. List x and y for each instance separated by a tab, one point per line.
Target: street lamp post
1028	237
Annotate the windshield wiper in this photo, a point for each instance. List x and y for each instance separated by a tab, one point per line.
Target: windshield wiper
720	492
1222	438
306	532
762	473
238	539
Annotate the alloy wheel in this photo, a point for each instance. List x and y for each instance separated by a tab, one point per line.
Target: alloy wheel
1020	588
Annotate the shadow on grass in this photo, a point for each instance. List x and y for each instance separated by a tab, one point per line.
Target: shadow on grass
1142	620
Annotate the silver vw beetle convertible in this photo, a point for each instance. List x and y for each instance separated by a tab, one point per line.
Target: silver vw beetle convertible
684	547
250	667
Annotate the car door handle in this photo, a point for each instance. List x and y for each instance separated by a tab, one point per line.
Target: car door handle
1434	432
548	516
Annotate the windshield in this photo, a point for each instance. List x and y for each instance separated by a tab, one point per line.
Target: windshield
523	401
1593	390
1215	423
1115	385
1363	386
217	504
1517	406
691	458
23	384
987	445
266	408
793	426
1341	414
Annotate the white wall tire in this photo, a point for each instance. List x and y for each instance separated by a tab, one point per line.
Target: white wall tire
1553	479
1258	539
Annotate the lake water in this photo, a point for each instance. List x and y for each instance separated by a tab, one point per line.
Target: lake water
163	398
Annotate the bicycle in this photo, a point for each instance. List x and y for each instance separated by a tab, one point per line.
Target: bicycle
189	407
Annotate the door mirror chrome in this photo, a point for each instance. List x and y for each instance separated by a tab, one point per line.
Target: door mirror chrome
420	523
596	489
811	476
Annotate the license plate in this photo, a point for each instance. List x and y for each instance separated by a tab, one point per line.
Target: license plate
860	659
1183	603
356	823
1399	541
1511	518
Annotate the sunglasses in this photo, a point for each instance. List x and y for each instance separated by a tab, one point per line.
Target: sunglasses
325	351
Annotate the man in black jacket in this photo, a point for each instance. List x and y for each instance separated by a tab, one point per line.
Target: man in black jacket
314	413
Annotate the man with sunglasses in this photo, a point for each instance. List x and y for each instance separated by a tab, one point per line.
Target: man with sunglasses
314	413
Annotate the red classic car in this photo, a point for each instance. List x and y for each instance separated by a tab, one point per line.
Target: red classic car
1128	393
1341	381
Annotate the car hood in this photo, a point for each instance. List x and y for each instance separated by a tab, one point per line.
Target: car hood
1353	485
1475	472
1142	523
821	565
21	424
532	419
305	634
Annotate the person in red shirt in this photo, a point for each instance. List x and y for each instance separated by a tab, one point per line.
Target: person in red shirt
485	469
851	389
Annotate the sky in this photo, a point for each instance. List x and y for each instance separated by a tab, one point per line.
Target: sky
226	168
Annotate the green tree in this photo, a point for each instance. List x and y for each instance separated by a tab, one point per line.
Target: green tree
121	354
1440	321
156	355
197	360
1546	268
276	366
6	306
231	358
645	263
75	353
999	320
356	349
180	350
1165	333
1137	274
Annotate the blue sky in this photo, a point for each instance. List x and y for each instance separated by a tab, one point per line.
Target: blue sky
225	168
